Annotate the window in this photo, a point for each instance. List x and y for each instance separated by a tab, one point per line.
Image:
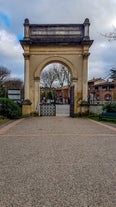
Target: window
97	97
96	88
107	97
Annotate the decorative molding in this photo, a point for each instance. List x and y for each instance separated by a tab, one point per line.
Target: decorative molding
52	59
86	54
37	78
74	79
26	56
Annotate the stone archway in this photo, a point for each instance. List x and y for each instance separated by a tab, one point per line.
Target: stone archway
48	43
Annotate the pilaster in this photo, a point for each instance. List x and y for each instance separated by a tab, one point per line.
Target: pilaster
85	76
86	29
26	29
26	76
37	91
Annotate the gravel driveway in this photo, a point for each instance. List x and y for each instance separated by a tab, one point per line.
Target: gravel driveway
57	162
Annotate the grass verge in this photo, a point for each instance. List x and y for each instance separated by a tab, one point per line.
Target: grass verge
110	120
3	121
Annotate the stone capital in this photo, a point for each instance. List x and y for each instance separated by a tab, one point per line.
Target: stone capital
26	56
37	78
74	79
86	54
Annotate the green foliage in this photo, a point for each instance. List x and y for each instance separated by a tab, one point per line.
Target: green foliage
2	91
115	96
110	107
9	108
109	120
3	120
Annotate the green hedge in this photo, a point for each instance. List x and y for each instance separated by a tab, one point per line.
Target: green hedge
9	108
110	107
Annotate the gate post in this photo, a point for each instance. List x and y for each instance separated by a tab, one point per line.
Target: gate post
26	76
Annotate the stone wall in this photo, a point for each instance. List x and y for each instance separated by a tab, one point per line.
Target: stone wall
96	109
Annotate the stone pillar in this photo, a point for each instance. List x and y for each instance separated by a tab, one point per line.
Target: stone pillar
74	82
26	76
86	29
37	92
85	77
26	29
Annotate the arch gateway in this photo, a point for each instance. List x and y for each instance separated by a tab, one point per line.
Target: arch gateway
49	43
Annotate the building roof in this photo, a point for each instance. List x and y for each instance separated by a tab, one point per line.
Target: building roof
100	81
94	80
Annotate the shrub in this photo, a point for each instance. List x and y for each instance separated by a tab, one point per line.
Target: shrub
9	108
110	107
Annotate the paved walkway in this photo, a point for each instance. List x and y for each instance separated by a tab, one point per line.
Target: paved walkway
62	110
57	162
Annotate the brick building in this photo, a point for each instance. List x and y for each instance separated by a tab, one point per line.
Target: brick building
100	90
59	95
62	95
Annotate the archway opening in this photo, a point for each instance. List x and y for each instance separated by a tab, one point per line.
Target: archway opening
55	82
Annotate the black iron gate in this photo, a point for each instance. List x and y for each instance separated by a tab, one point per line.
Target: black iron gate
47	110
72	101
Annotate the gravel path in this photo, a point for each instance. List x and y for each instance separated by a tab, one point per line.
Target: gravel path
57	162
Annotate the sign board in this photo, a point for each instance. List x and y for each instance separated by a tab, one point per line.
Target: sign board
14	94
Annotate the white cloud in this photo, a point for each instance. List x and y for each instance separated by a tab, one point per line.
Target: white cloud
11	54
9	46
102	15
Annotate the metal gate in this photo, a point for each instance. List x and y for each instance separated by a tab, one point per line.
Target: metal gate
72	101
47	110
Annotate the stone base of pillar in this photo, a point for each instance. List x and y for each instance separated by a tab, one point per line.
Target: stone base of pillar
81	110
84	109
26	109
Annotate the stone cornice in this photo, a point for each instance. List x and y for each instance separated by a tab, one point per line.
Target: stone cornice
56	34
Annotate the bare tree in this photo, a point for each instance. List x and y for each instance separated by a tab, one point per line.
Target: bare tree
4	74
62	74
63	78
6	82
47	78
113	73
110	35
14	83
57	75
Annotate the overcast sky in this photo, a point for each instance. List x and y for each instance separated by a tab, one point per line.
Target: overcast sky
101	13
